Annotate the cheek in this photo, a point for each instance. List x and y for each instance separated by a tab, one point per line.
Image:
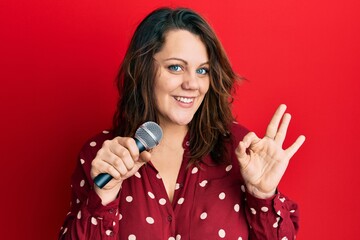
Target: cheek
205	86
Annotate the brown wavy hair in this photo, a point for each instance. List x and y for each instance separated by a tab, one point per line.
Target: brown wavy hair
209	127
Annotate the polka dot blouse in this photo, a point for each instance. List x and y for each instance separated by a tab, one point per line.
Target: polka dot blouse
210	202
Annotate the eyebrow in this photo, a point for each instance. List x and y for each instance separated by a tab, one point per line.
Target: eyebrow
182	60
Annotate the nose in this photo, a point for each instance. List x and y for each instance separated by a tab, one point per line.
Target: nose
190	82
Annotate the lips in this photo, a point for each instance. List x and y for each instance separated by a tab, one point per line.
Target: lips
184	99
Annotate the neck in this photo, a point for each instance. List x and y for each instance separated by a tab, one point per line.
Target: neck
173	135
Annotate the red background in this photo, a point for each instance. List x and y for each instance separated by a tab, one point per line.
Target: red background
59	59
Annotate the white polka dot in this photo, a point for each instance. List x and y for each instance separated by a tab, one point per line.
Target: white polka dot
132	237
108	232
253	211
137	174
203	215
222	196
276	224
129	198
120	217
65	230
237	207
79	215
68	213
284	238
82	161
228	168
77	201
177	186
93	144
194	170
222	233
264	209
282	199
178	237
292	211
203	183
82	183
150	220
94	221
171	238
158	176
105	132
278	213
114	223
181	201
242	188
240	238
162	201
151	195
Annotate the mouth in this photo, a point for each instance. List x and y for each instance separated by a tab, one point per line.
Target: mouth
184	99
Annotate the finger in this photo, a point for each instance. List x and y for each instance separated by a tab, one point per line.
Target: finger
281	134
122	160
130	144
241	154
249	139
274	122
145	156
119	165
98	166
121	153
295	146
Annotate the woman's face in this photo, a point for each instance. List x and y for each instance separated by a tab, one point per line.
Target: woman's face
183	77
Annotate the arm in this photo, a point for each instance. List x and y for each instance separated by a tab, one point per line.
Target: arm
94	211
273	218
263	162
88	217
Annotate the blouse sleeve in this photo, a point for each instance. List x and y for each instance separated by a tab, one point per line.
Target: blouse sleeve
273	218
88	218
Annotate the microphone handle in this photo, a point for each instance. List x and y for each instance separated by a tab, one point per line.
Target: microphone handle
103	178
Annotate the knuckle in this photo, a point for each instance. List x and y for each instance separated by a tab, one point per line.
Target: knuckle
123	152
106	143
128	141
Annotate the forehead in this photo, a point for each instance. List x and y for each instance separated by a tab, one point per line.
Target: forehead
185	45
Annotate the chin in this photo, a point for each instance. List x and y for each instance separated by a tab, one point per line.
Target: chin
183	122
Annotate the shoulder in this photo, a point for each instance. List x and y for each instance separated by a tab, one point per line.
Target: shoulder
237	131
93	144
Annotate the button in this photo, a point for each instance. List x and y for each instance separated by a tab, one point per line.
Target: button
111	210
169	218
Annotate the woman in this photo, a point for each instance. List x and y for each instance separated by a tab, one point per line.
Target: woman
209	178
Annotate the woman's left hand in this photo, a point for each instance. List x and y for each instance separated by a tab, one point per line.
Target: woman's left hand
263	161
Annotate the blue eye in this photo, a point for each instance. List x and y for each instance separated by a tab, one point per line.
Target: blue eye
175	68
202	71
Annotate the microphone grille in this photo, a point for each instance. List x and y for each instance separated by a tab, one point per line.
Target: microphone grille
149	134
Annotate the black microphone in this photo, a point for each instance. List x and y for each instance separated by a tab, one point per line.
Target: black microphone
147	136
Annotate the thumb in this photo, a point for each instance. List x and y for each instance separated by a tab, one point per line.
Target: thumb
145	157
241	154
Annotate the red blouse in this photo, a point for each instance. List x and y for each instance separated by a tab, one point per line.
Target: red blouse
210	202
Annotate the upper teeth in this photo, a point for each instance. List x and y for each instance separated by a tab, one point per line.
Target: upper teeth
185	100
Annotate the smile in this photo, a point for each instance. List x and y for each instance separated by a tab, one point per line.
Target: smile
184	99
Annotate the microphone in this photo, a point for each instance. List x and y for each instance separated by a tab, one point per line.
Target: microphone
147	136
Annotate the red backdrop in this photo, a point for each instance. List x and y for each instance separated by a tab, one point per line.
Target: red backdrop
59	58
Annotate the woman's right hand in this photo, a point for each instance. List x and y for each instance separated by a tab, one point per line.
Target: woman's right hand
121	159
